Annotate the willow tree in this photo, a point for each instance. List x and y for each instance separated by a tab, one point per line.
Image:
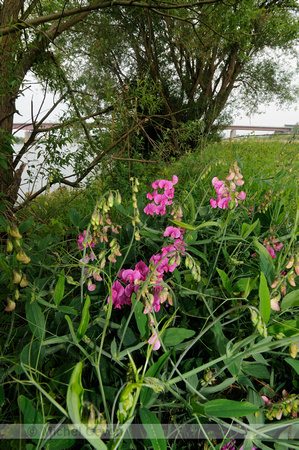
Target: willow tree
29	30
199	60
154	63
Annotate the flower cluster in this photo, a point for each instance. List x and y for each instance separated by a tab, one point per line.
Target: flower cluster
281	281
161	199
85	241
288	406
227	197
157	292
272	245
101	228
159	264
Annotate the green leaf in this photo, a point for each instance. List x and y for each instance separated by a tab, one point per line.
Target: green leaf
294	363
255	370
84	320
211	223
5	266
224	385
288	328
290	300
266	262
31	417
225	280
183	225
229	408
26	225
59	288
74	401
220	340
264	295
33	354
75	217
174	336
248	228
153	429
141	319
36	319
198	408
68	310
3	222
70	324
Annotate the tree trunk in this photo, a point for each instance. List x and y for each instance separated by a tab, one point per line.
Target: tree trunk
9	88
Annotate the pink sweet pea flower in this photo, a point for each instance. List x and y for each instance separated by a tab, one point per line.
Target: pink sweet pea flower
172	232
91	286
89	242
153	340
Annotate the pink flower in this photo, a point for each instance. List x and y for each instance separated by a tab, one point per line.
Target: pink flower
91	286
89	242
150	209
173	232
161	199
153	340
225	190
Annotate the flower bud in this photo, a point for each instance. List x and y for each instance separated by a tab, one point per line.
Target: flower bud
294	348
16	277
291	279
22	257
10	305
95	219
9	246
110	200
296	265
275	283
137	235
23	282
290	263
13	231
118	198
17	294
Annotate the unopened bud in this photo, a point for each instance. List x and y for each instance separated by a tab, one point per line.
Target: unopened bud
294	348
13	231
291	279
95	219
17	294
23	282
296	265
110	200
137	235
22	257
290	263
10	305
16	277
9	246
275	283
118	198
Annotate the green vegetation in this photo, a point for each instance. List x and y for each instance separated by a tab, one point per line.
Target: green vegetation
207	338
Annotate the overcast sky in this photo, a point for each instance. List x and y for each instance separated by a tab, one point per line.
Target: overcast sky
271	116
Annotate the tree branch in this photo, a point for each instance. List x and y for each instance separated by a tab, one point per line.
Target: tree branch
96	5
